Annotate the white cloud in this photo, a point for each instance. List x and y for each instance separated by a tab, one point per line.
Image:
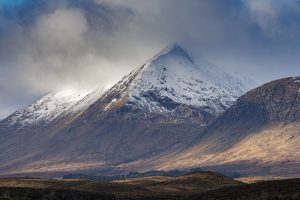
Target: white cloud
62	29
265	14
268	15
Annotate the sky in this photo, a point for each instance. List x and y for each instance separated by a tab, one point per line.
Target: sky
51	45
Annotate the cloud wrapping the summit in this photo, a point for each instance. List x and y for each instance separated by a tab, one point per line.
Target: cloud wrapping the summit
47	45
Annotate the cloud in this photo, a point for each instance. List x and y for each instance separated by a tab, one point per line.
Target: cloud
275	18
57	46
61	28
58	41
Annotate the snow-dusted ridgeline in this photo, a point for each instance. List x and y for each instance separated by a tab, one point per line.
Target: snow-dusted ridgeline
52	106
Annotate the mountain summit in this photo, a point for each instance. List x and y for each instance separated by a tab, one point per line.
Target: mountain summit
157	109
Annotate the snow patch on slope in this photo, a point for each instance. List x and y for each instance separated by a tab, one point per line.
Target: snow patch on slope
88	100
46	109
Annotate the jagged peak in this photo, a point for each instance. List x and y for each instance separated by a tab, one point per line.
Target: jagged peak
173	49
171	52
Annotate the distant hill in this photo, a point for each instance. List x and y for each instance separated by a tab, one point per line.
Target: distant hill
191	183
258	135
200	186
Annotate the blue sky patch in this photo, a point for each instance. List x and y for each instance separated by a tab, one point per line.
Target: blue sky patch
12	2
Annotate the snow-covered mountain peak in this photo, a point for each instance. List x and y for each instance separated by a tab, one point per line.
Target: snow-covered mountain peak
172	78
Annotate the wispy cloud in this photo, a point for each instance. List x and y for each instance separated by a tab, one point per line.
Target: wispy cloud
276	18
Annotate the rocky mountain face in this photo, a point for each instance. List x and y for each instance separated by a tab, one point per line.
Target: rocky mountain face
278	101
158	109
258	135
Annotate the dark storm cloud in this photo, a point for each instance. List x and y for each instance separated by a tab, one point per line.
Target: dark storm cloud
47	45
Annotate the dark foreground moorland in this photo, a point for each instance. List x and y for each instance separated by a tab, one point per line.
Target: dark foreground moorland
200	185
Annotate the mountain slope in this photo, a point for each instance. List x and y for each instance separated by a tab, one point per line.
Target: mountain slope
258	135
157	109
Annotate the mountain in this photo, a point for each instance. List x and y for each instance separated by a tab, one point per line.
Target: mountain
258	135
169	83
158	109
